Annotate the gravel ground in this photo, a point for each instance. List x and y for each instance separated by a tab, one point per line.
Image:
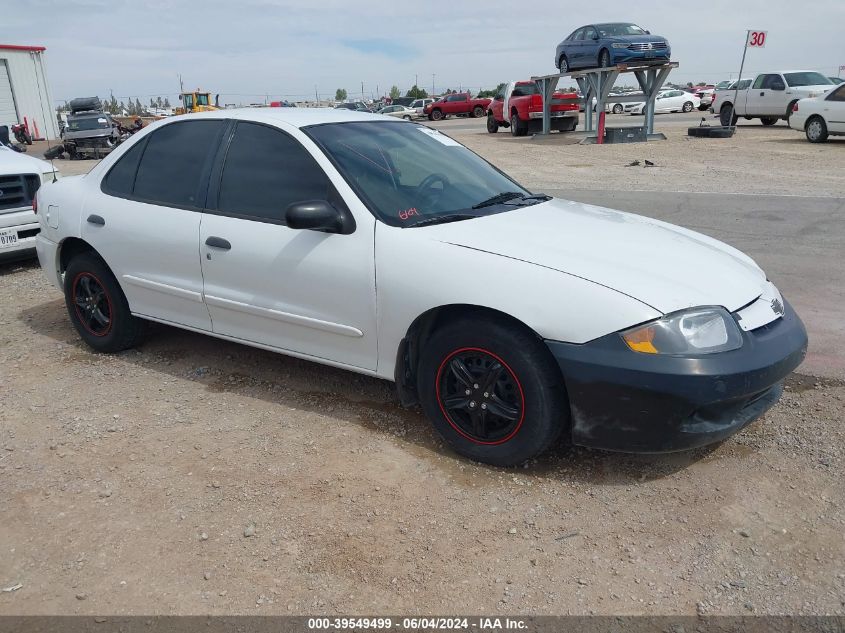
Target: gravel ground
197	476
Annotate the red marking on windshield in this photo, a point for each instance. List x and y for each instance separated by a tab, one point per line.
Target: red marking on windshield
407	213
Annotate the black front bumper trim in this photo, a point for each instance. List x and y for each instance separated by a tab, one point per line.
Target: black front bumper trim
626	401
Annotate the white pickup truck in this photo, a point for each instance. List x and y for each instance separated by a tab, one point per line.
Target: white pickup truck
770	96
20	178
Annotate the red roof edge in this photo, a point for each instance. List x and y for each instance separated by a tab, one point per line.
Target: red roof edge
15	47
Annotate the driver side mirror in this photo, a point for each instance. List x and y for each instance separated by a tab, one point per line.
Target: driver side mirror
319	215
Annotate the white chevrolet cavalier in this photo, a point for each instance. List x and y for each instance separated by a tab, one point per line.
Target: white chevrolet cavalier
387	248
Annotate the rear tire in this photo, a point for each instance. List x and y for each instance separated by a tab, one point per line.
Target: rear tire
687	107
725	117
769	120
789	110
816	130
518	128
525	407
617	108
477	112
97	306
492	124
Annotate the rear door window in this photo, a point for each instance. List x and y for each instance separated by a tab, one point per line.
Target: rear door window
120	181
173	170
266	171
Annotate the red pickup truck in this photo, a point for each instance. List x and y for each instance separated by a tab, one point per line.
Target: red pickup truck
456	104
520	107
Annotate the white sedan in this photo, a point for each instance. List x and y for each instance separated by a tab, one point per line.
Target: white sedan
669	101
399	111
389	249
820	117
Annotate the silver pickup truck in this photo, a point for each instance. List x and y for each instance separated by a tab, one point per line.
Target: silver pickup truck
769	97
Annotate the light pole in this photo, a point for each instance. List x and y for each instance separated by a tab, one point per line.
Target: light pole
432	84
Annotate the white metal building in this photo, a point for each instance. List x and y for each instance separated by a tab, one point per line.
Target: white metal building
25	95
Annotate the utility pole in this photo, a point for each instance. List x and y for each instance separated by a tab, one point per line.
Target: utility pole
416	80
316	96
432	84
362	91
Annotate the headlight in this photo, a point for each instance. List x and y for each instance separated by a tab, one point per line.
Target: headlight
696	331
619	45
47	176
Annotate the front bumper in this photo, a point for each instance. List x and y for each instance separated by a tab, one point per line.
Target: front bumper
627	56
23	227
625	401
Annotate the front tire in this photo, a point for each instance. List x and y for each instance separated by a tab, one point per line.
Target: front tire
97	306
816	130
618	109
492	124
604	58
436	115
516	406
563	64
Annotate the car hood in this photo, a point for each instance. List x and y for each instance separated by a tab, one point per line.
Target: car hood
12	162
664	266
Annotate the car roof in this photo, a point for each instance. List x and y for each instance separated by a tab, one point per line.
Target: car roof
296	117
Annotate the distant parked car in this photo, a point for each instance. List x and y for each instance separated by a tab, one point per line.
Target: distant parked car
837	80
669	101
705	94
604	45
358	106
420	104
399	111
820	117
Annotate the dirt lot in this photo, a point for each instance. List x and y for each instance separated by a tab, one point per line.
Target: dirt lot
197	476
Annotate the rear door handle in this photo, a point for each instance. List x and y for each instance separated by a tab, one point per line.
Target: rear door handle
218	242
96	219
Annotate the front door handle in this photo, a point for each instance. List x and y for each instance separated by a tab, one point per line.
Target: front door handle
762	94
218	242
96	219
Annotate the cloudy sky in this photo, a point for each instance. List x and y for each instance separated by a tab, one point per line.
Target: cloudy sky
246	49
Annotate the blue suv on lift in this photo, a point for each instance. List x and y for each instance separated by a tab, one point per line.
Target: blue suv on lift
603	45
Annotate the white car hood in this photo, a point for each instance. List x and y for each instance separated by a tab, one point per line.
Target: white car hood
666	267
12	162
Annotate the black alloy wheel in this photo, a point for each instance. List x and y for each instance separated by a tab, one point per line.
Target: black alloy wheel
480	396
92	304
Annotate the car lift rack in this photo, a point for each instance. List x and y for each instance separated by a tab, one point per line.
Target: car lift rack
595	83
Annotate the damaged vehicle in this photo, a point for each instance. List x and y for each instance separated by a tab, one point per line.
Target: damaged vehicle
90	132
388	248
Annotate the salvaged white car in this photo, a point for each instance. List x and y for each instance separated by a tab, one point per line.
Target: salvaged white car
387	248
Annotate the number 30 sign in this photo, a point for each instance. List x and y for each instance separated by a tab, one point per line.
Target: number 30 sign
756	39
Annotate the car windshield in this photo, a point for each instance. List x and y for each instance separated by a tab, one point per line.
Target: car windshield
87	123
806	79
406	173
723	84
619	30
742	85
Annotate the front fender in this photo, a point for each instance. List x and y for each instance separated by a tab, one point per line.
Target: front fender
415	274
